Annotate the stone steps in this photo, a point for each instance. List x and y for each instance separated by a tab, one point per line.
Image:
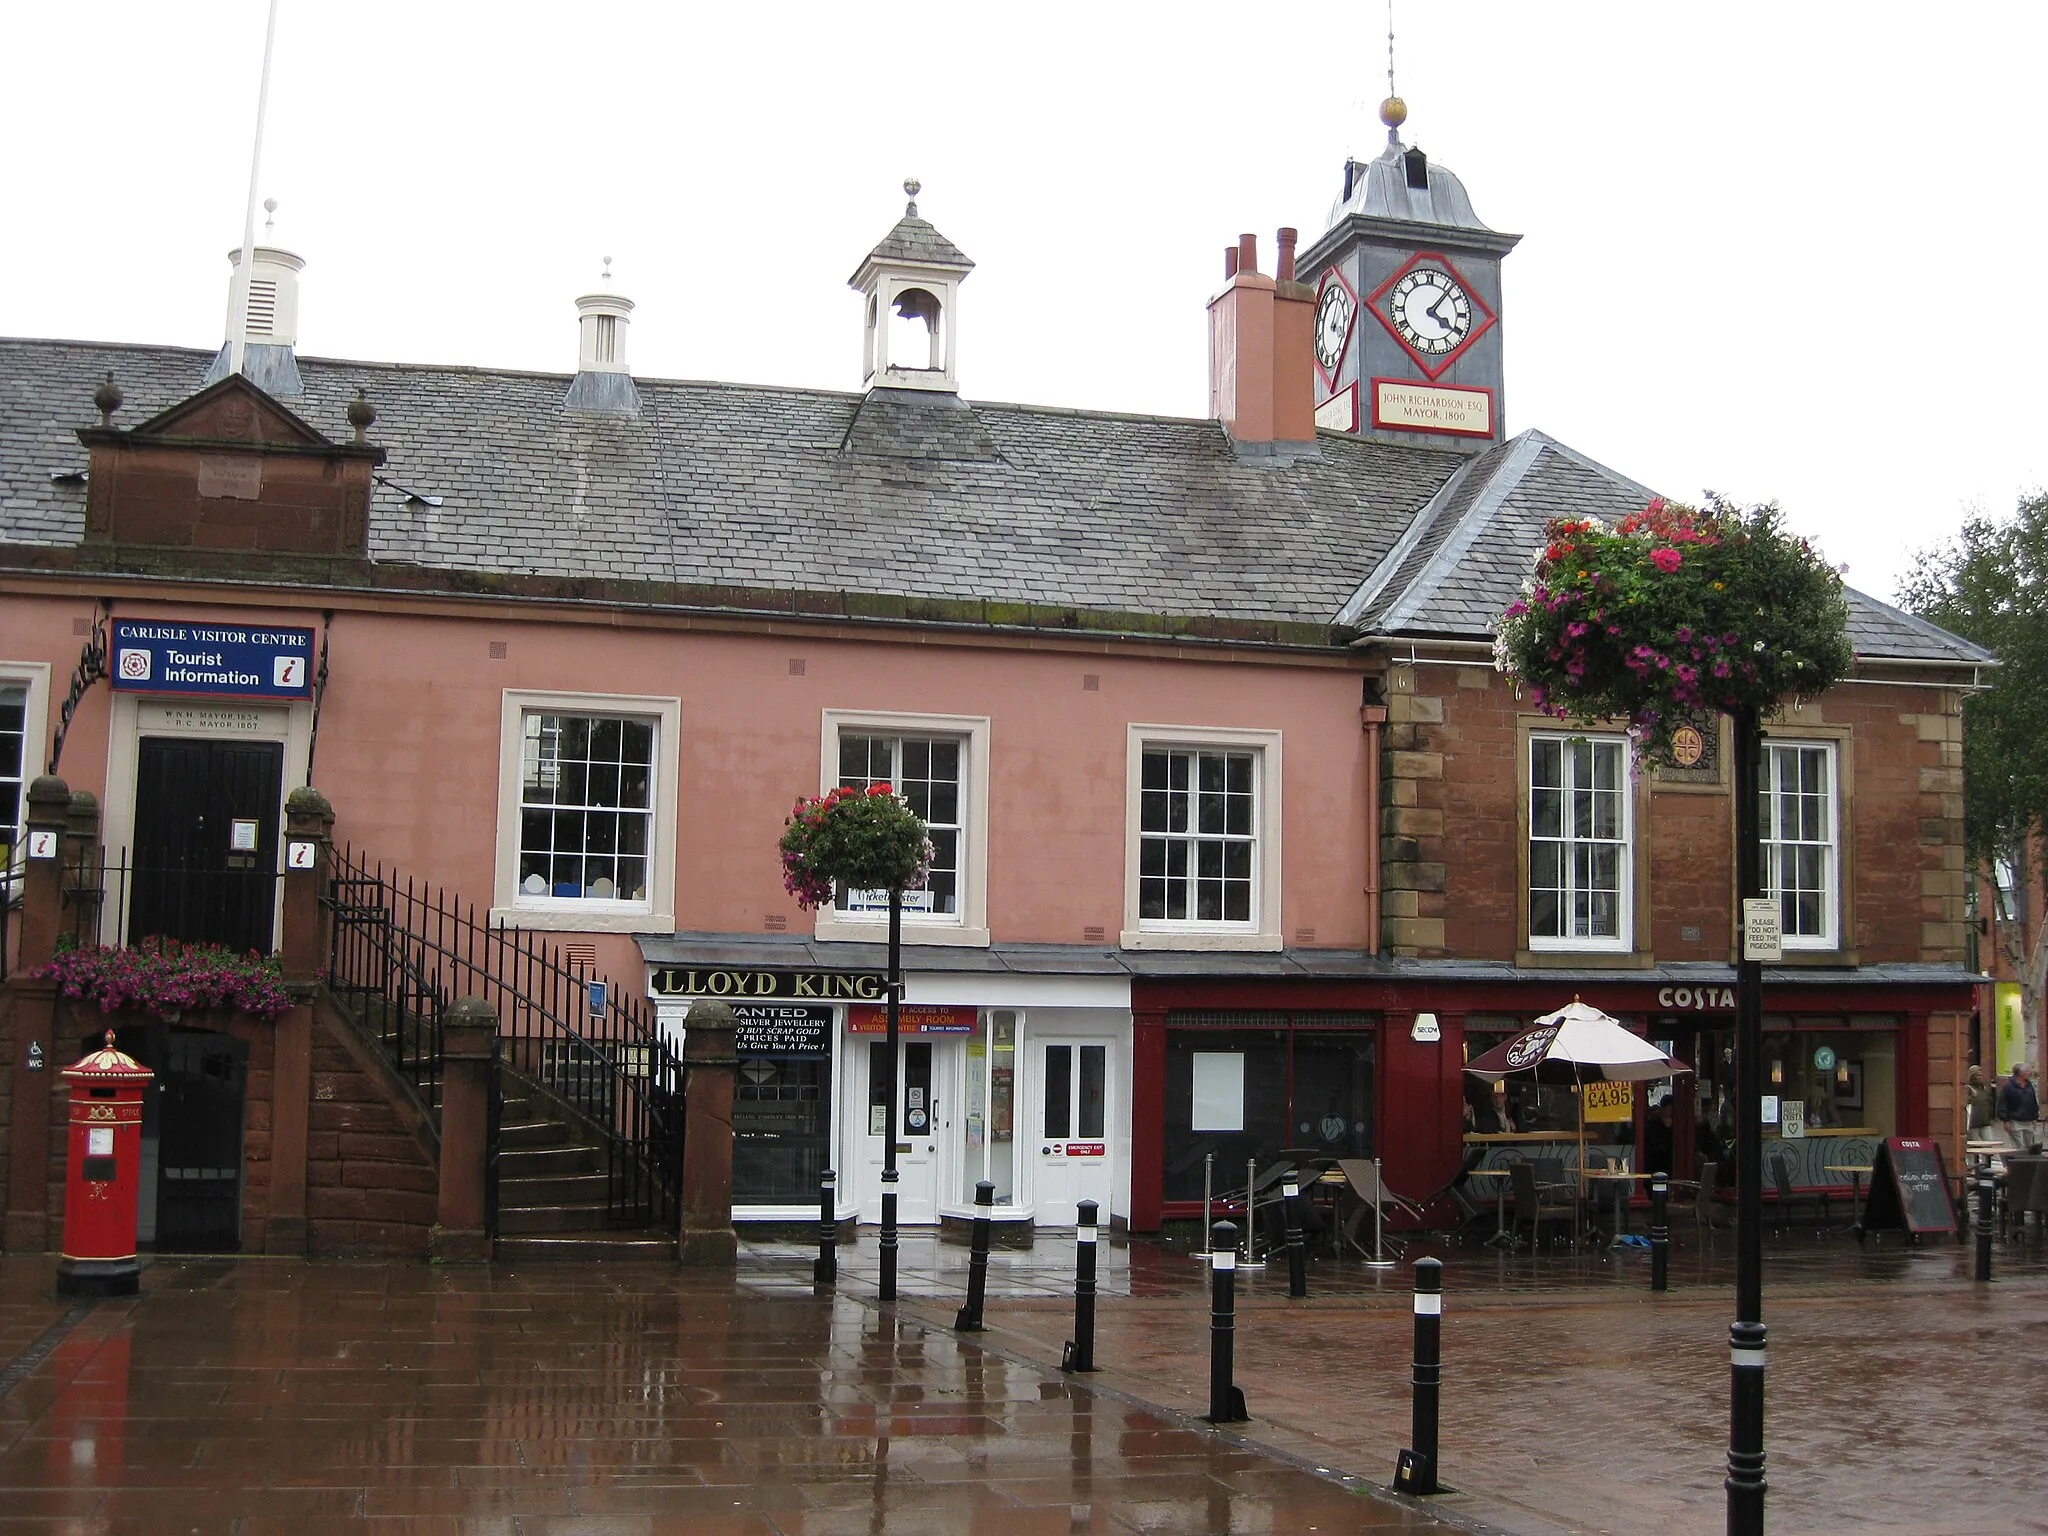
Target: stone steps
552	1189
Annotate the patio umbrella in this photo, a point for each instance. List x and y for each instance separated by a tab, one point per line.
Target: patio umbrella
1577	1044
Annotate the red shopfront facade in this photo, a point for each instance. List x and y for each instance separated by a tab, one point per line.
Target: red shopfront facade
1246	1068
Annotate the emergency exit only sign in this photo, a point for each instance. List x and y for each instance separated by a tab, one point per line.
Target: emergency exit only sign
231	660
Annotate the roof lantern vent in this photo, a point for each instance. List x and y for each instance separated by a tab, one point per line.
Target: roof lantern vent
1418	170
272	313
603	384
911	283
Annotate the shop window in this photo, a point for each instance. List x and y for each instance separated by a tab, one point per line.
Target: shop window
780	1125
1075	1081
938	763
586	812
991	1098
1204	858
1580	855
1242	1088
1796	791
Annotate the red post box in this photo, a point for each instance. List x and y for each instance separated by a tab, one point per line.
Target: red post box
102	1174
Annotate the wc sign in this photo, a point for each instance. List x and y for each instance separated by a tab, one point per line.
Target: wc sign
215	660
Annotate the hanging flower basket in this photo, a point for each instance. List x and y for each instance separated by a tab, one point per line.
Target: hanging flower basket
1673	615
863	839
169	979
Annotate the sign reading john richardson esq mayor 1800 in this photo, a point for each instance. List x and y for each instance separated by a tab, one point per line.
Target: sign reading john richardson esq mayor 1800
151	656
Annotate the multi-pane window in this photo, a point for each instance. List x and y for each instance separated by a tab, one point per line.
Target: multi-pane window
13	764
1578	841
586	806
1797	824
1198	835
927	771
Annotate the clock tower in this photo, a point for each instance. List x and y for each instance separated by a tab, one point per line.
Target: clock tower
1408	322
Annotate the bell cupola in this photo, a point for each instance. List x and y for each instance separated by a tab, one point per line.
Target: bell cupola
910	284
269	304
603	385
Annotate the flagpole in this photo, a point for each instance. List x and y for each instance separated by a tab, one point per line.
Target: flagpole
239	332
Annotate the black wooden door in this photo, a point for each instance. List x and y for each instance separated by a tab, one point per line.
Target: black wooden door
205	855
199	1143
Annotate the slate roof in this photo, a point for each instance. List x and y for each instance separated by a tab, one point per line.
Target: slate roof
915	242
1464	557
898	494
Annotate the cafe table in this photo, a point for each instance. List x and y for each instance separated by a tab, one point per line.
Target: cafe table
1500	1238
1621	1179
1856	1171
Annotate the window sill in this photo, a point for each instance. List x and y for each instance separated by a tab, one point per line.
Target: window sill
845	930
571	920
1596	959
1195	939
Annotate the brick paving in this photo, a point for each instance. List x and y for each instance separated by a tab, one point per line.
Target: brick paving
251	1396
1902	1397
258	1396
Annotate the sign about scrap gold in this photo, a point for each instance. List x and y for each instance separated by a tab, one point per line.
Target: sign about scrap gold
1610	1101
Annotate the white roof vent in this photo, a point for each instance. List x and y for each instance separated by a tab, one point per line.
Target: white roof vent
603	384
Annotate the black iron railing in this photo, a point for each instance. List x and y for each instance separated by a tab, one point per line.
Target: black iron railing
119	898
402	951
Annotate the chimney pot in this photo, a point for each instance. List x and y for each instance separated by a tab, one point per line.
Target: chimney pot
1285	241
1247	253
1229	262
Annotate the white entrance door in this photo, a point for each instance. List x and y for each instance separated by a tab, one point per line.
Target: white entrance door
918	1123
1074	1161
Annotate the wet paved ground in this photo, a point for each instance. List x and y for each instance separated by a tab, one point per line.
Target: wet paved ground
264	1395
1902	1397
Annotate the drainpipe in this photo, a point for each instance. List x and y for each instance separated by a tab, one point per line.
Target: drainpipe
1372	717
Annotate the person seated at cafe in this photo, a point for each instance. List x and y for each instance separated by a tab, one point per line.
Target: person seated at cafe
1486	1108
1716	1157
1658	1139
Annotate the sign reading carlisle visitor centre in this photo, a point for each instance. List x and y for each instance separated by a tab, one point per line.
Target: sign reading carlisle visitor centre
238	660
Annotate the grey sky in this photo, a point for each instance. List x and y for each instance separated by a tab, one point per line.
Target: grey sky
1784	250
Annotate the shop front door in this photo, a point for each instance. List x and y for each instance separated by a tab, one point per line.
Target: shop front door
1075	1160
205	855
918	1124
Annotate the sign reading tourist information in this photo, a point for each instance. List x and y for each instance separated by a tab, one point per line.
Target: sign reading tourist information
238	660
788	985
781	1029
1909	1187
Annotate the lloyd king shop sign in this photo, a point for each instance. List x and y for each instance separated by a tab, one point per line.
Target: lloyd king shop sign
235	660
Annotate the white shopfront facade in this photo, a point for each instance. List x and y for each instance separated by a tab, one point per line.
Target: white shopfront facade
1020	1079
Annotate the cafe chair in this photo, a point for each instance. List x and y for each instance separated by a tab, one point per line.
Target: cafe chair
1781	1184
1370	1193
1532	1210
1469	1214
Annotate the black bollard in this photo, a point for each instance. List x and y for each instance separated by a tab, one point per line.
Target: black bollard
825	1269
968	1318
888	1243
1226	1401
1987	1197
1660	1233
1416	1470
1297	1255
1080	1351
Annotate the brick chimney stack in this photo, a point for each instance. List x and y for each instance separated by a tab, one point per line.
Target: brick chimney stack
1261	366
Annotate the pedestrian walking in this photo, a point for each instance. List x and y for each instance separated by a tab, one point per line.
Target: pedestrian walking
2019	1107
1983	1103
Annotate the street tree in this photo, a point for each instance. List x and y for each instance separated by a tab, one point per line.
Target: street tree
1990	584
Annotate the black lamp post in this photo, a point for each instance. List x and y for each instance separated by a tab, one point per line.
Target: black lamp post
895	999
1745	1480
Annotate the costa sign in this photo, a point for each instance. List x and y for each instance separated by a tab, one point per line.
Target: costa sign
1699	999
1528	1049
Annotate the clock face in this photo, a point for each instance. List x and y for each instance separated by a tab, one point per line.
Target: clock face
1335	309
1430	310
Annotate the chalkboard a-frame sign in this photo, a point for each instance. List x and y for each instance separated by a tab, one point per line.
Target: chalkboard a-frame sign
1909	1188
